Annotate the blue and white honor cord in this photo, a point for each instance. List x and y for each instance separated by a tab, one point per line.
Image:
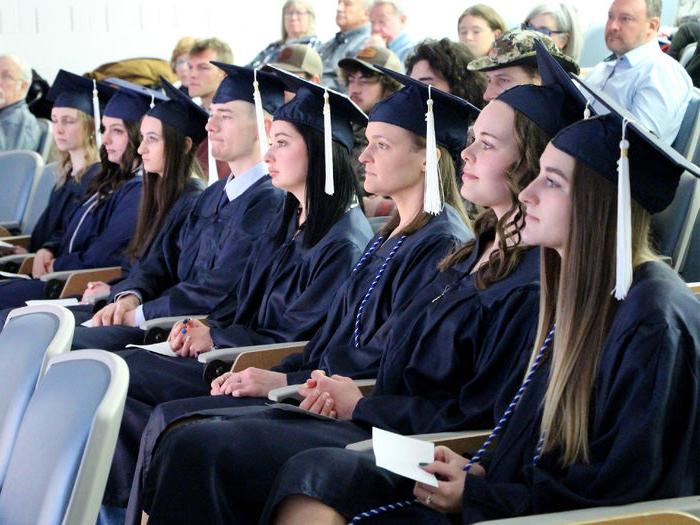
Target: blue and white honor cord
373	285
502	422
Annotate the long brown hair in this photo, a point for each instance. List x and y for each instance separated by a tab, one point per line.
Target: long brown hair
112	175
576	293
65	167
530	140
450	193
161	192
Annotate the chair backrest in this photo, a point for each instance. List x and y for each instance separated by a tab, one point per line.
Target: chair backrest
686	142
690	270
18	171
687	53
39	198
46	139
593	50
672	228
31	337
58	469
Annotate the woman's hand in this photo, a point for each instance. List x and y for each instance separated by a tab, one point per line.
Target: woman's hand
121	312
97	288
251	382
449	469
190	337
43	263
323	394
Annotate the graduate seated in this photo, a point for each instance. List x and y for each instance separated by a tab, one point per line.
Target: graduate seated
100	229
172	178
608	413
445	355
201	262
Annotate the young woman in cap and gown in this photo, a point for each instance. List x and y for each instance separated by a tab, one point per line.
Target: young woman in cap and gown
172	177
608	411
488	315
100	229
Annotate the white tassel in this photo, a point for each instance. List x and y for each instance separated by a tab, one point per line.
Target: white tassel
328	144
211	163
623	262
153	102
587	110
96	114
432	201
259	115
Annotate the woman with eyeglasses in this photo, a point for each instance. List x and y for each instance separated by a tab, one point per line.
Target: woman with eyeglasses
298	27
559	21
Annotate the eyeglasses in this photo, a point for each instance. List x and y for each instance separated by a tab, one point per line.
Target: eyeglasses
292	14
544	30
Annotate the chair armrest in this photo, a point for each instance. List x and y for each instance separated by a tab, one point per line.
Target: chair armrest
674	511
290	392
229	355
17	258
167	322
65	274
4	232
265	359
460	442
27	264
694	287
18	240
7	227
77	281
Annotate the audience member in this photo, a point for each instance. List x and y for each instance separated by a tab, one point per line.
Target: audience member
478	27
19	128
512	61
352	18
298	27
559	21
302	60
388	20
688	33
179	61
638	75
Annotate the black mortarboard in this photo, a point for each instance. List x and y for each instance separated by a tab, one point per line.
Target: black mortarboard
73	91
238	85
181	113
131	101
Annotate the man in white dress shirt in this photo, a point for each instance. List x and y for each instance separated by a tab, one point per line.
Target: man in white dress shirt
638	75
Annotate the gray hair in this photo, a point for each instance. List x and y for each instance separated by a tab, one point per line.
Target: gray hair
653	8
25	71
397	8
566	18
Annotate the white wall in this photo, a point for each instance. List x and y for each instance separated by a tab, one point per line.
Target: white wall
79	35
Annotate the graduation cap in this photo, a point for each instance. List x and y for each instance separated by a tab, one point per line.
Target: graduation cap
553	105
131	101
624	152
181	113
73	91
324	110
440	117
262	89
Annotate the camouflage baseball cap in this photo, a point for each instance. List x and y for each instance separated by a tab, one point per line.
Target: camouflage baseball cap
299	58
517	48
372	56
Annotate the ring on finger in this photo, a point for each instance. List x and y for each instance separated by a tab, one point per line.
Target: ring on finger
429	499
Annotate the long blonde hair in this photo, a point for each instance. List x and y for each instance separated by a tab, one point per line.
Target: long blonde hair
65	167
576	294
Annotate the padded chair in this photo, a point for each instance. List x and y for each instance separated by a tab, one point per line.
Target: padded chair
31	337
46	140
593	50
59	466
687	53
672	228
675	511
18	172
686	142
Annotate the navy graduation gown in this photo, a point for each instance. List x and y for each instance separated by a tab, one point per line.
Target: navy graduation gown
96	236
63	201
644	432
194	266
291	298
413	266
488	358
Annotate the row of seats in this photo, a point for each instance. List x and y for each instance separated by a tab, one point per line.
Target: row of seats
60	413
